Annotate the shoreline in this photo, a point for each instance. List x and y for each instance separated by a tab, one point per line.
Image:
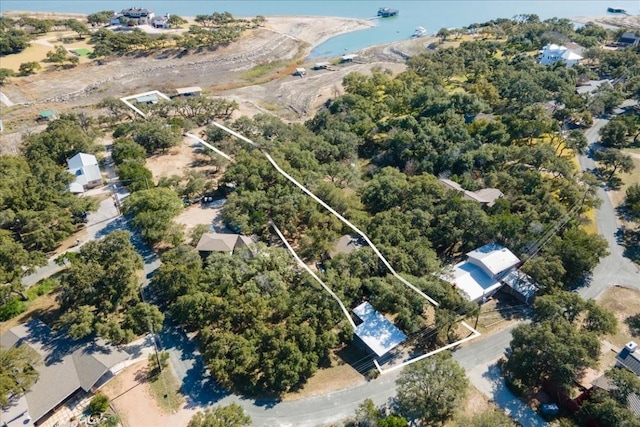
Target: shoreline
313	30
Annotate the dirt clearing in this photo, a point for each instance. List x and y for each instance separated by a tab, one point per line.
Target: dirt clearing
200	214
130	394
625	305
298	98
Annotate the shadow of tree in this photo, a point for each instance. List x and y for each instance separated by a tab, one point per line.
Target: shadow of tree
630	241
633	322
504	399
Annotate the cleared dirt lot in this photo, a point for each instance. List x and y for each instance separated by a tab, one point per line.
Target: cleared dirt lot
130	394
297	98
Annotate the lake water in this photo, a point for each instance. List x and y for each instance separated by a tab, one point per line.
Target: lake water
430	14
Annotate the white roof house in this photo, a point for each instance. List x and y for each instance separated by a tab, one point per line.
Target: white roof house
493	259
377	333
86	170
482	274
552	53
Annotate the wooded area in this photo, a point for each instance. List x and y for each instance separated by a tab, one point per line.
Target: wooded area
484	115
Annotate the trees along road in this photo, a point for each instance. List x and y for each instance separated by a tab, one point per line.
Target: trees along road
477	358
614	269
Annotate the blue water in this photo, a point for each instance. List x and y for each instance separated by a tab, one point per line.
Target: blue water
430	14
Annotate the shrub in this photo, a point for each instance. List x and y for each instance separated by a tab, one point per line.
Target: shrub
98	404
11	309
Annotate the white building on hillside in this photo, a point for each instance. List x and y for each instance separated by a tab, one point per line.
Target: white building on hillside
552	53
481	275
86	170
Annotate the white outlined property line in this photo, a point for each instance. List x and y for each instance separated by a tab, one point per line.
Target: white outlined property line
336	214
138	95
306	267
474	332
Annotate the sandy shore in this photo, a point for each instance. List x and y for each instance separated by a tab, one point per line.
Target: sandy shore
313	30
616	21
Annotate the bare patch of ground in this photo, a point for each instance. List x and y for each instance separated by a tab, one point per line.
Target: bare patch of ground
617	197
624	303
474	403
339	376
199	214
284	38
298	98
175	161
130	394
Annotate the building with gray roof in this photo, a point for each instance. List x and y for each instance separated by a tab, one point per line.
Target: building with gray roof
222	242
69	366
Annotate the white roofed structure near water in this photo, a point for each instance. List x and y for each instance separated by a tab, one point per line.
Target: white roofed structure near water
375	331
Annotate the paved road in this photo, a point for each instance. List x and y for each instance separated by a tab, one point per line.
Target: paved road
99	223
614	269
478	357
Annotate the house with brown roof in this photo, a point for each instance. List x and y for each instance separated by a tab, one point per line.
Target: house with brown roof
69	368
222	242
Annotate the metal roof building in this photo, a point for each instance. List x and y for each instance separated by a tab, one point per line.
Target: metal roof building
221	242
86	170
377	333
481	275
189	91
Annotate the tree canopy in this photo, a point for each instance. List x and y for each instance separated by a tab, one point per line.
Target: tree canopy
263	326
221	416
430	390
561	341
17	372
152	212
100	292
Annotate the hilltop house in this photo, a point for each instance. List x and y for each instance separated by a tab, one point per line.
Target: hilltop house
136	15
161	21
222	242
552	53
86	170
483	272
484	196
70	368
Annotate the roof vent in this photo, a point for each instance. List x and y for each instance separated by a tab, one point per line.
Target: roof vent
631	346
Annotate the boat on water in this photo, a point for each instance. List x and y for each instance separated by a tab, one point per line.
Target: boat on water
386	12
618	11
419	32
